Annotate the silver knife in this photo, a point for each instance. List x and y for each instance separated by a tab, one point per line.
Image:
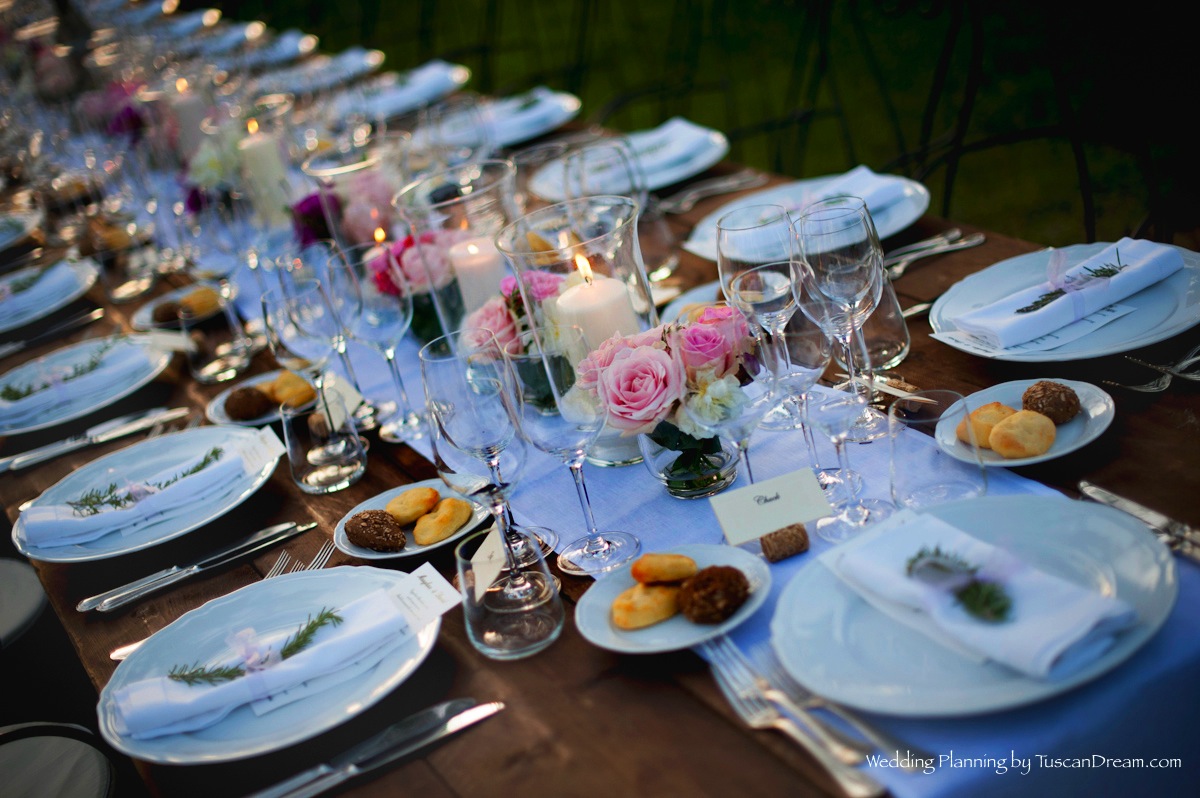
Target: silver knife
101	433
262	539
396	741
1151	518
62	328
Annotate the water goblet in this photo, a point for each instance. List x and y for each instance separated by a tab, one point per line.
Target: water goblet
563	420
324	450
380	320
841	281
734	405
469	387
757	255
836	416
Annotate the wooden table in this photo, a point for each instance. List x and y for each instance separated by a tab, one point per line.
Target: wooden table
580	720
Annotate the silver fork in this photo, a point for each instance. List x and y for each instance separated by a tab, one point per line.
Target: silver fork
736	682
318	562
896	269
121	652
880	739
686	199
1162	382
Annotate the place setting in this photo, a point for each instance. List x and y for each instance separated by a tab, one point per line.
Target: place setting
35	292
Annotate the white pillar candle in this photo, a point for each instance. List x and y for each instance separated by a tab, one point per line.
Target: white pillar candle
479	268
264	174
600	306
189	109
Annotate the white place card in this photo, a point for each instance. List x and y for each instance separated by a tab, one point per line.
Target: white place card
263	448
488	562
426	596
748	513
345	390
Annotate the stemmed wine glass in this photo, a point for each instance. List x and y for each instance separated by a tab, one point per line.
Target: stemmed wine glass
564	421
380	320
478	453
841	280
734	406
283	311
757	259
836	416
457	130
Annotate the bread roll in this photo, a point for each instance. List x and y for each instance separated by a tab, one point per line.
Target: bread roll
375	530
982	421
1023	434
289	389
714	594
446	519
412	504
645	605
654	568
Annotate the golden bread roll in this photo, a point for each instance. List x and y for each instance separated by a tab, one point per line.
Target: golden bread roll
982	421
645	605
200	302
654	568
289	389
412	504
446	519
1025	433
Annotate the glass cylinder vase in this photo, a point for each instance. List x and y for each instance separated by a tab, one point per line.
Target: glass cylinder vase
579	263
691	468
453	216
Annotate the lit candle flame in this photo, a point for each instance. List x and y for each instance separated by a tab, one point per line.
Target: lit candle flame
181	85
379	235
585	268
252	126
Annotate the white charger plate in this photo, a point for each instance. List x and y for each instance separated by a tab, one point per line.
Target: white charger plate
156	361
888	220
411	547
270	605
840	647
1096	413
86	271
593	615
548	181
139	461
1163	310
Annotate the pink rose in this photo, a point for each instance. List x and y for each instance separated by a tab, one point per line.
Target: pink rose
508	284
732	325
640	388
494	316
543	285
589	369
703	346
426	264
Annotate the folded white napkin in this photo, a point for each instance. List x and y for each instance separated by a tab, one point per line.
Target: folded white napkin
61	525
121	364
669	144
1054	627
56	282
522	109
371	627
877	191
1143	263
421	85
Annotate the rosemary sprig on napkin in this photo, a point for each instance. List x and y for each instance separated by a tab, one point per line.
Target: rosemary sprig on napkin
980	598
196	673
22	284
12	393
95	500
1093	273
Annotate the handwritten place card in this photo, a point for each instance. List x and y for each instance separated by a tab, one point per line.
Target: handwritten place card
265	447
488	562
345	390
748	513
426	596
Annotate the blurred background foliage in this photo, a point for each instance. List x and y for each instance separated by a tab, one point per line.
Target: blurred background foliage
1052	122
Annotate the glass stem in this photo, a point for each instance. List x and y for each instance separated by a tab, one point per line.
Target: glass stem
853	511
809	440
744	453
584	502
405	409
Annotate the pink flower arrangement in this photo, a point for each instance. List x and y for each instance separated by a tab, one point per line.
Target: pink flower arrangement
423	262
504	315
496	317
368	207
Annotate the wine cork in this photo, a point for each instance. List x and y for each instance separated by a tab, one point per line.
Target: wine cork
784	543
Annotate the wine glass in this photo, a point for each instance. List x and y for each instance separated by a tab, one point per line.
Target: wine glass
457	130
841	277
380	320
564	421
479	453
293	349
734	405
836	416
610	166
757	258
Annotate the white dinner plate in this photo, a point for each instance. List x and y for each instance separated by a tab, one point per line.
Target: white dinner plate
16	227
267	606
548	182
143	317
411	548
75	354
142	460
215	409
840	647
593	614
85	270
889	220
702	294
1096	413
393	94
320	73
1162	310
530	114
